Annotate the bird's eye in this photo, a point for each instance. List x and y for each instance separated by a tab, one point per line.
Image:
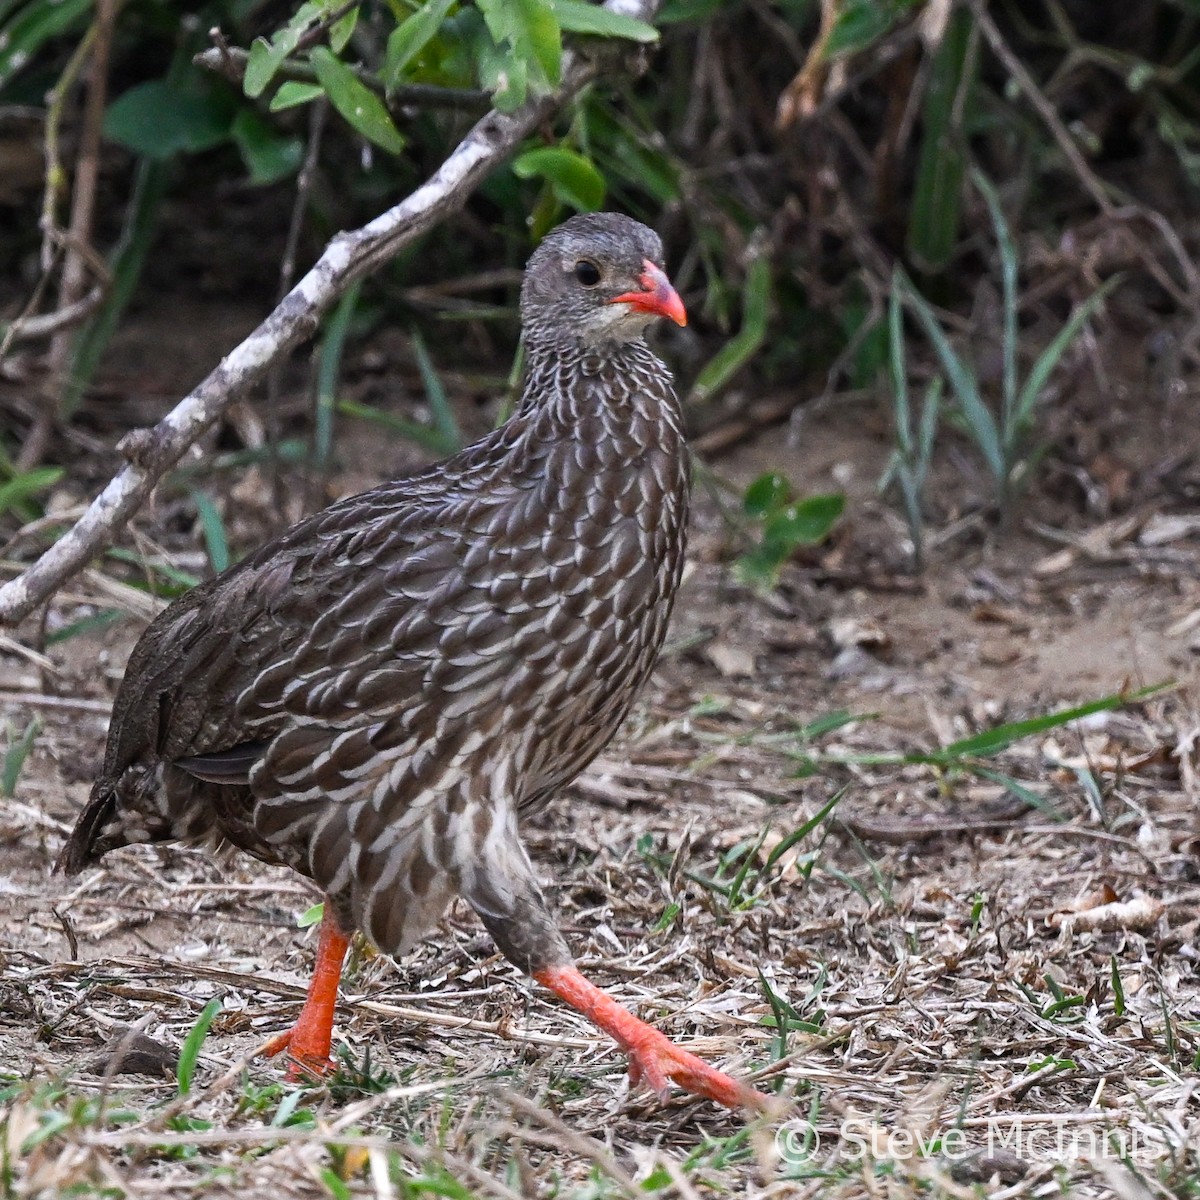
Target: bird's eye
587	273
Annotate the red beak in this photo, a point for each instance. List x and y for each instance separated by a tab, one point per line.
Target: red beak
659	297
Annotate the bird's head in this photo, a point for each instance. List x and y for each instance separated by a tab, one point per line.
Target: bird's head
597	278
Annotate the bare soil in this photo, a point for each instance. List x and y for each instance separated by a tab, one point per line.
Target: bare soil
1022	983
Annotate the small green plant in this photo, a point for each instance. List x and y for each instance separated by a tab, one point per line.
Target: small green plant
910	461
1063	1007
16	751
742	875
1004	438
190	1053
443	435
18	490
745	344
970	755
784	524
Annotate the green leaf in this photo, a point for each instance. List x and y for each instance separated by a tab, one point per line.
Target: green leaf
262	62
575	180
577	16
269	157
291	94
357	104
767	493
674	12
311	916
804	523
531	28
410	37
342	29
22	36
160	119
505	76
861	22
191	1046
267	57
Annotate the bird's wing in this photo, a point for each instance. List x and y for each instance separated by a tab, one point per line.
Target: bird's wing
345	622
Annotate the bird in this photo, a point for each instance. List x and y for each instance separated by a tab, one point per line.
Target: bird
377	696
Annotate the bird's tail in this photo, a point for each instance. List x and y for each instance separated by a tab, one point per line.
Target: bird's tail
86	843
119	813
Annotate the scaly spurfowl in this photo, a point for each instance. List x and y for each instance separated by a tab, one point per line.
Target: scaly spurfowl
376	696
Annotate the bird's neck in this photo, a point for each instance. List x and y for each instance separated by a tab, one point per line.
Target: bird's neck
578	390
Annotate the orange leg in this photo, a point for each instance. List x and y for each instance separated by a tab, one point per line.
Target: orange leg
653	1057
308	1041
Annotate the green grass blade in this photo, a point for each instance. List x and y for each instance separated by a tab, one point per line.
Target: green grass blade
1008	282
978	416
192	1043
15	754
412	431
992	741
1048	359
938	192
444	421
177	579
137	240
741	348
830	721
85	625
931	409
802	832
215	540
14	492
329	370
899	368
1027	795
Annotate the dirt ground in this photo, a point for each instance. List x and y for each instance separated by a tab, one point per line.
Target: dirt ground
979	995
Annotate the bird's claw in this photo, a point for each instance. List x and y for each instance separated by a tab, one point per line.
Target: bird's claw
656	1061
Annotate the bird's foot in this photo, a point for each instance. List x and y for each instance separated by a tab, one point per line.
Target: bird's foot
308	1055
653	1057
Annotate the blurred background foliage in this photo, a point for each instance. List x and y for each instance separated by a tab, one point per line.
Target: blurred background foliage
989	182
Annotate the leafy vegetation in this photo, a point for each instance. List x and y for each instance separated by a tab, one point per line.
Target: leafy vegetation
1002	439
784	524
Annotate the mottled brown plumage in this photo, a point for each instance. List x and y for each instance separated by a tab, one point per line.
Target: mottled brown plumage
374	697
